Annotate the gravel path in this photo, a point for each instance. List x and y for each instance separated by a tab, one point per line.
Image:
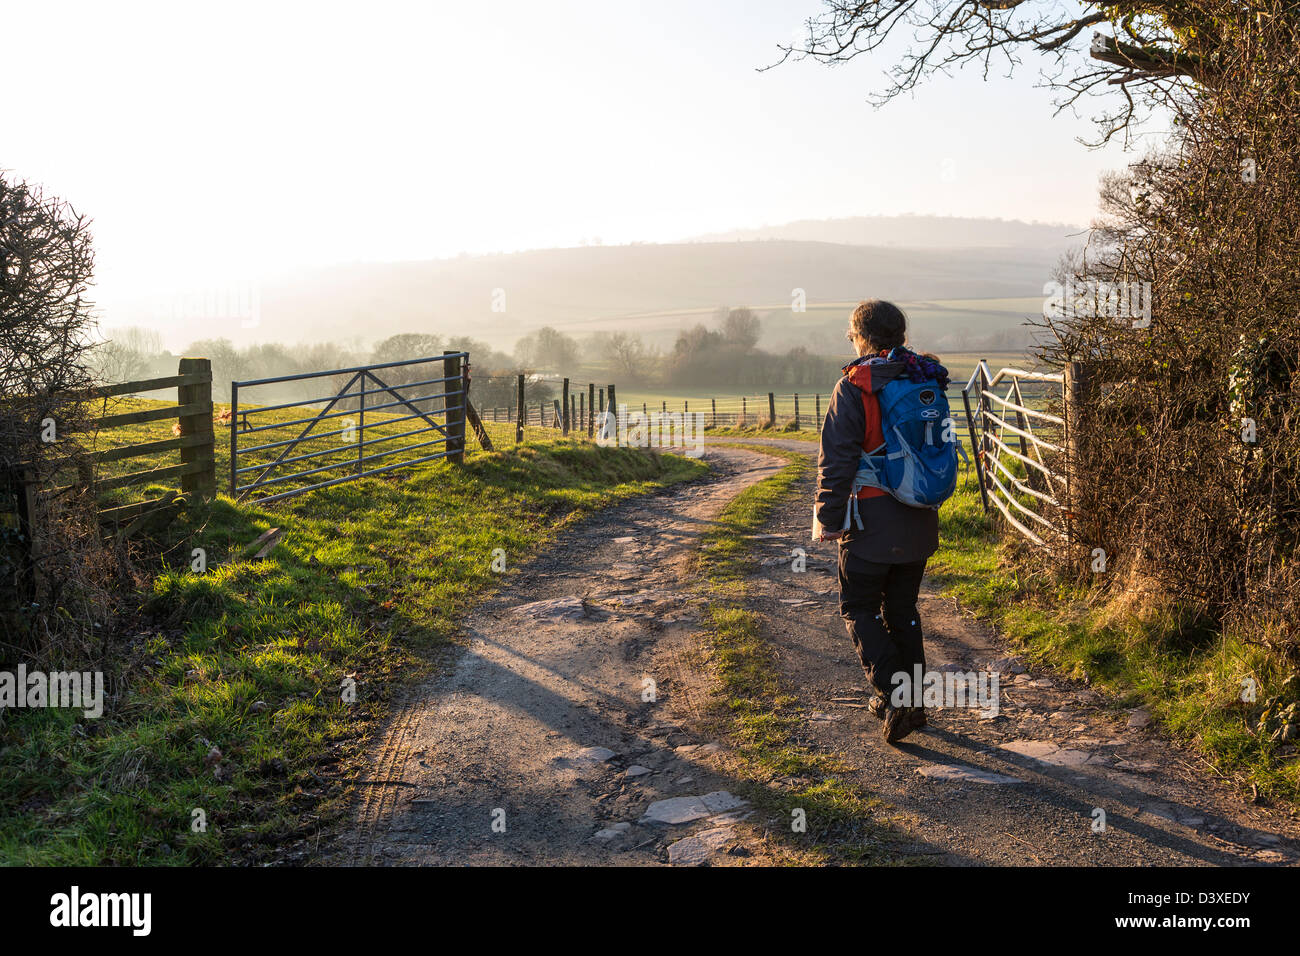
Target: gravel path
1025	786
539	746
561	733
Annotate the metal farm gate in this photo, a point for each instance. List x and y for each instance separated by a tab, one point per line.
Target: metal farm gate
1021	450
367	420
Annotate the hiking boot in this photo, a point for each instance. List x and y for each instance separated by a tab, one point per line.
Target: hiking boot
898	723
878	706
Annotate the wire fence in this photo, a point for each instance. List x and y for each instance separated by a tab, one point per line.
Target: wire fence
795	411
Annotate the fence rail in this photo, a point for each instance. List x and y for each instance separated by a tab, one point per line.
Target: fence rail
194	440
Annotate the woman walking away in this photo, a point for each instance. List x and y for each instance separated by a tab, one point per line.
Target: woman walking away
884	542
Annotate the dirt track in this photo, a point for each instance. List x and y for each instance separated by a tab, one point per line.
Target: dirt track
1067	751
496	761
537	746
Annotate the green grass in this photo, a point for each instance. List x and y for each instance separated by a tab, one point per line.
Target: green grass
759	714
1154	656
780	431
369	582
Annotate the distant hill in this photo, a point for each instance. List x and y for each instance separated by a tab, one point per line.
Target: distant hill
914	232
656	289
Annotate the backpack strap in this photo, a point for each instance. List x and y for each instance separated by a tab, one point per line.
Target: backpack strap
865	483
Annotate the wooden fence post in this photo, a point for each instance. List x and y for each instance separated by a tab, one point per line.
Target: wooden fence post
203	482
771	409
519	415
471	413
613	410
796	411
591	409
566	408
714	403
19	549
455	413
817	407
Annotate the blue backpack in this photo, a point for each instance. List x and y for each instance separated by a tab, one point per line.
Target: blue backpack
917	464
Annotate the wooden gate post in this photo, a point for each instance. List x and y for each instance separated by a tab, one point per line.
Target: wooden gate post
454	387
1078	386
203	481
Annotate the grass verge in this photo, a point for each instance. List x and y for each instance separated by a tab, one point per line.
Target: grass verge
782	430
1141	653
226	737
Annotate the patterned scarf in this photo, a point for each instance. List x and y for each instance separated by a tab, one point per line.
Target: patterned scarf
919	368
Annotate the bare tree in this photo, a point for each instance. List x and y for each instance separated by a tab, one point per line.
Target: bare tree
741	327
1147	51
125	353
46	266
630	358
1186	307
547	347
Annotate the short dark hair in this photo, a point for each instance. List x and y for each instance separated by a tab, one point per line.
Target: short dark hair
881	323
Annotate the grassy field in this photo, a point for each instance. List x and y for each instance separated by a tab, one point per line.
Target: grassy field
227	736
943	324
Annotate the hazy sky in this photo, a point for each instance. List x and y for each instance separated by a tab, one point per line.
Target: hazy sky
218	141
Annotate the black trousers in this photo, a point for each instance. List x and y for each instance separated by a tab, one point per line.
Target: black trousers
878	605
